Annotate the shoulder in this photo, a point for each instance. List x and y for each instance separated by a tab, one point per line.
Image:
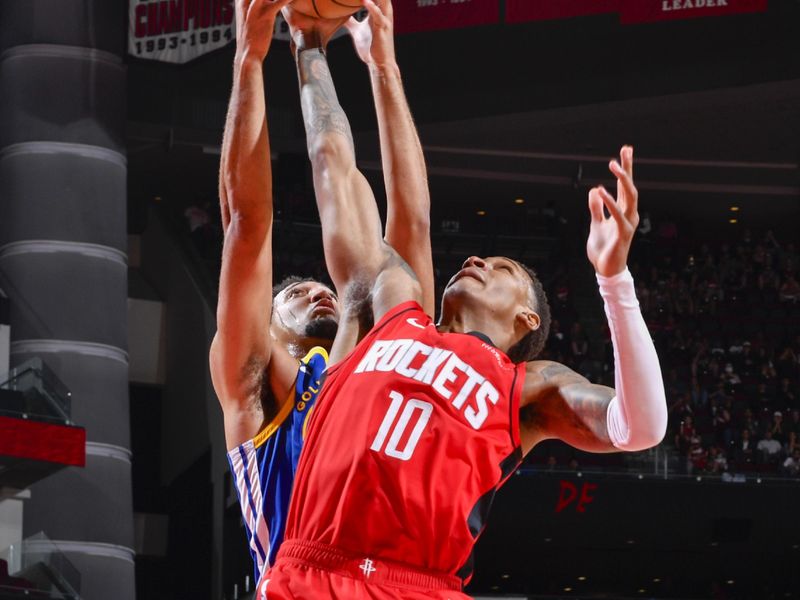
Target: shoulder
544	377
316	357
543	372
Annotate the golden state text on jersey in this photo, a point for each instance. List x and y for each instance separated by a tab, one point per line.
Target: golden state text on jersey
264	467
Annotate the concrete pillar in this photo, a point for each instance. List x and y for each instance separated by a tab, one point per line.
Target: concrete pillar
63	261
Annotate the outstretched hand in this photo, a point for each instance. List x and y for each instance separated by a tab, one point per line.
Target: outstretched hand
309	32
373	37
610	237
255	23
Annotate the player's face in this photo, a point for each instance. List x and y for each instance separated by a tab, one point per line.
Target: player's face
308	309
496	283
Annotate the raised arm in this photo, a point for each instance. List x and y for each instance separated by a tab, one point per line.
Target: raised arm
241	351
356	255
404	172
559	403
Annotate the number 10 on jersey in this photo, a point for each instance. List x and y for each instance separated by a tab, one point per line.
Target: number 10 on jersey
412	409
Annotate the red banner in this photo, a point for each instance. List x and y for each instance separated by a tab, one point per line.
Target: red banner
429	15
177	31
33	440
648	11
518	11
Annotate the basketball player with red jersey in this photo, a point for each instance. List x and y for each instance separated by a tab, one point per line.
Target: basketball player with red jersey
420	424
269	354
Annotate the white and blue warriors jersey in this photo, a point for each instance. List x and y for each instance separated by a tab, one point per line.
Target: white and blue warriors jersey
264	467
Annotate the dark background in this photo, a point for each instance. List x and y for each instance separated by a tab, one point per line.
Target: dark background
530	111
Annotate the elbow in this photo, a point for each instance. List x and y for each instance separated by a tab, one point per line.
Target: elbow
419	225
246	222
642	433
330	152
649	436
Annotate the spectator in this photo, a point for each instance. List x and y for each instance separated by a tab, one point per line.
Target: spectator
777	428
674	386
686	432
794	422
558	342
729	377
790	289
699	395
791	443
718	396
579	343
682	406
197	216
747	361
769	449
723	432
645	225
791	466
749	423
743	452
717	462
786	366
763	403
786	395
697	456
562	308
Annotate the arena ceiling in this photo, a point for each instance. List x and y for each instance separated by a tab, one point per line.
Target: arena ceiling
532	111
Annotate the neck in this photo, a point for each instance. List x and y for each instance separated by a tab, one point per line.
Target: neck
464	321
298	348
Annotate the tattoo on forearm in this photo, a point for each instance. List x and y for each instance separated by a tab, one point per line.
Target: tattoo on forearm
322	113
589	406
554	370
571	407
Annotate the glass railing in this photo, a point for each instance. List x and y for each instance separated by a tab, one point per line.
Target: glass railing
35	568
32	391
661	462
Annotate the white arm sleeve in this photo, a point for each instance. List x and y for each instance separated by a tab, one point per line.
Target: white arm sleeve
637	415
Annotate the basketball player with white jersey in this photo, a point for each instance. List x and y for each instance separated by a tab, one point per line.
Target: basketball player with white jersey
269	354
421	423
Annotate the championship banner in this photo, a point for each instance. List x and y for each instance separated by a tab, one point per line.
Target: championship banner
429	15
648	11
519	11
177	31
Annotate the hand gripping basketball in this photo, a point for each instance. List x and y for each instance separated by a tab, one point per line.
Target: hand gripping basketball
373	37
255	21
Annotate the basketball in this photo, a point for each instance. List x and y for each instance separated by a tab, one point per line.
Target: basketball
327	9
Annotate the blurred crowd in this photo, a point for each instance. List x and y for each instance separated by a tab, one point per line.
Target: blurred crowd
725	317
726	321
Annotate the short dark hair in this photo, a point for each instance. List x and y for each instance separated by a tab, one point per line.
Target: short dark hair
531	345
287	281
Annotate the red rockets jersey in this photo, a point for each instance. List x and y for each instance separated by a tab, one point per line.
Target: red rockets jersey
411	437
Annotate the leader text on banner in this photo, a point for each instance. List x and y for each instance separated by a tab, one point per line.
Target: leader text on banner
646	11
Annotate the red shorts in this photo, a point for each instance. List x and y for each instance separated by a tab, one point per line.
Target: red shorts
313	571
